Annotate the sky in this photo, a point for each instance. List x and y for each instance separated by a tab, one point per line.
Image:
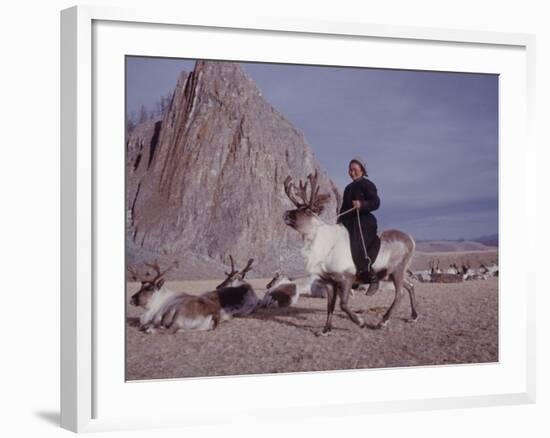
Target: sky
430	139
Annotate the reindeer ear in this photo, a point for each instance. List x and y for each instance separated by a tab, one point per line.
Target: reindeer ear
160	283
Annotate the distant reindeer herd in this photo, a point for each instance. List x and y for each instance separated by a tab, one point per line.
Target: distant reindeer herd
454	274
330	275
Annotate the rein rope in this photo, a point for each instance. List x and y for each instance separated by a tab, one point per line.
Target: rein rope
345	212
367	258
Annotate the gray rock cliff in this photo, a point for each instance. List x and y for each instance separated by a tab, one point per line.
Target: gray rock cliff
206	180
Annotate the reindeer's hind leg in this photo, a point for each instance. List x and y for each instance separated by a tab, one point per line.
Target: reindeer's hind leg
344	291
398	283
410	289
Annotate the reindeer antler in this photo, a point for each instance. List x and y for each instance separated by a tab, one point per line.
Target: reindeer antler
314	187
233	270
289	187
133	272
315	201
247	268
155	266
302	192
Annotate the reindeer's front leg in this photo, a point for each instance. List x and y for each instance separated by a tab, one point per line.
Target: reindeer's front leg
331	303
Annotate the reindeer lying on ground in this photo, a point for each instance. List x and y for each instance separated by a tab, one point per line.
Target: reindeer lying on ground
451	275
283	291
468	273
328	254
421	276
453	269
165	309
235	296
490	271
427	275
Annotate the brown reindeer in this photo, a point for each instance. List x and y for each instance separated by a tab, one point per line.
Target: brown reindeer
168	310
235	296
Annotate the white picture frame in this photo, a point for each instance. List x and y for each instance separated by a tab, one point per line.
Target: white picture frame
89	399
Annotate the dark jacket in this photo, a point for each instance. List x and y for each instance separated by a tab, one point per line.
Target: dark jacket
365	191
362	190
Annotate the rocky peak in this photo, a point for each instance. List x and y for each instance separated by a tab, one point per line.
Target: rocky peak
209	182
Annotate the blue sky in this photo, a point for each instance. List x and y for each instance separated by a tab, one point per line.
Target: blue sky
430	139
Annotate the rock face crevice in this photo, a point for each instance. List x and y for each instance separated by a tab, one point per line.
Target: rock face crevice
154	143
206	181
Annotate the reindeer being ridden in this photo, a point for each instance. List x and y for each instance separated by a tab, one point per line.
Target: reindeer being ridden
328	254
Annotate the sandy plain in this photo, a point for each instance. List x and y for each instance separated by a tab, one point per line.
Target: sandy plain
458	324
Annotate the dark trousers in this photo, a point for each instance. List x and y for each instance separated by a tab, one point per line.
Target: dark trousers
369	228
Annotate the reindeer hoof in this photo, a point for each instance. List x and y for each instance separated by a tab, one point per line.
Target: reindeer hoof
382	324
323	333
414	318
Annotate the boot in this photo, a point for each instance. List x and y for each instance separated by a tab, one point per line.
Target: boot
369	277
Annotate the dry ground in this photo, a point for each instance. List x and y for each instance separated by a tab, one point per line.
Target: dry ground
458	324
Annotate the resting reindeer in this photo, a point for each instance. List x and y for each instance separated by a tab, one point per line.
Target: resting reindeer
490	271
424	276
453	269
328	254
434	267
283	291
468	273
166	309
450	275
235	296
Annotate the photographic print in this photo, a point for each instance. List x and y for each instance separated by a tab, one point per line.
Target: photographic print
296	218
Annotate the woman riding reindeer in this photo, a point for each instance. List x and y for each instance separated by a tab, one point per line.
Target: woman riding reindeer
361	195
